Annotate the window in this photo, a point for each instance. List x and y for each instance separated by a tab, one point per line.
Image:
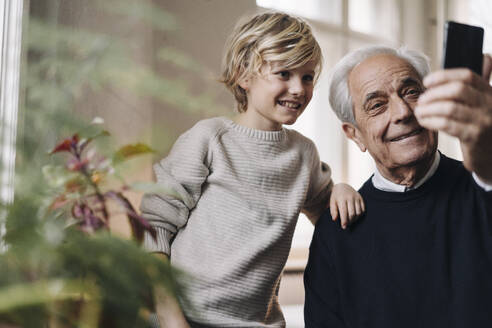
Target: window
10	34
474	12
327	11
375	17
122	60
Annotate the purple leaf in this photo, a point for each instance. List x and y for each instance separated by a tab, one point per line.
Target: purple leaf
87	220
66	145
77	211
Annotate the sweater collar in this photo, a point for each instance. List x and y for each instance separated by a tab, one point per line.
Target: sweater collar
384	184
257	134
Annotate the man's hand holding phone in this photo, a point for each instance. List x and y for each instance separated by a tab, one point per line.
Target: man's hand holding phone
458	101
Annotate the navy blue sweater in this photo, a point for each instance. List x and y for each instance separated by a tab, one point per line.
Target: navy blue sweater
422	258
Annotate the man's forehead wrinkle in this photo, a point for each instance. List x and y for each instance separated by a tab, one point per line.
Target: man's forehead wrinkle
409	80
388	81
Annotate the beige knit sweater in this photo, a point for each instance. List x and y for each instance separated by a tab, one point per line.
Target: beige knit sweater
241	191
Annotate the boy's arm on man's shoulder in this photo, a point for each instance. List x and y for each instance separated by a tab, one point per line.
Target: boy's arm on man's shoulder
320	184
320	188
317	206
322	306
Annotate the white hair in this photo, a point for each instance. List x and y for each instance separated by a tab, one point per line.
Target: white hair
340	99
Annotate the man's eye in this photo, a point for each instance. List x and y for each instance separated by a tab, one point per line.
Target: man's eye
376	105
413	92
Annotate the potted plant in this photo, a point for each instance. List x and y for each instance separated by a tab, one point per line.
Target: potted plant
62	267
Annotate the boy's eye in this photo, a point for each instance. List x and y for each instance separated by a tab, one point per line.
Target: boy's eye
283	74
308	78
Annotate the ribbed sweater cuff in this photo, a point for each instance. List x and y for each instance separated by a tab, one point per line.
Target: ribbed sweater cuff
161	245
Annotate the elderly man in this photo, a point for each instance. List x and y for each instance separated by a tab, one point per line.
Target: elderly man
422	254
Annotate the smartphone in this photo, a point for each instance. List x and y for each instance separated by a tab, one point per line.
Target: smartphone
463	46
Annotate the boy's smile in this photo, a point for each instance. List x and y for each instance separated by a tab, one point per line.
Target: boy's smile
277	95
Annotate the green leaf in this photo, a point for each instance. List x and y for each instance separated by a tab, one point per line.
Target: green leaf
128	151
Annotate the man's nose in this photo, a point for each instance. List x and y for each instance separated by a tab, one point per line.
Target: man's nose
296	87
401	111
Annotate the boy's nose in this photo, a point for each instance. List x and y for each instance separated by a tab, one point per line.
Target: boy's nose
296	87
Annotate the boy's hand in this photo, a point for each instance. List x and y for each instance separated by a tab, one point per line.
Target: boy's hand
168	311
345	203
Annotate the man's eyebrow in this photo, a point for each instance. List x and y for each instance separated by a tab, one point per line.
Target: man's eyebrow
372	95
410	81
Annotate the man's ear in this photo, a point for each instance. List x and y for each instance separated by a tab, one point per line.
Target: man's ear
353	133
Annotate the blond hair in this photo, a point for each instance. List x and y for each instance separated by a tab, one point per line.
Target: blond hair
267	37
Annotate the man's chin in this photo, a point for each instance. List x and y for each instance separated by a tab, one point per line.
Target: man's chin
415	156
415	150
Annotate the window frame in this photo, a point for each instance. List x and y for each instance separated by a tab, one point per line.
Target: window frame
11	15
